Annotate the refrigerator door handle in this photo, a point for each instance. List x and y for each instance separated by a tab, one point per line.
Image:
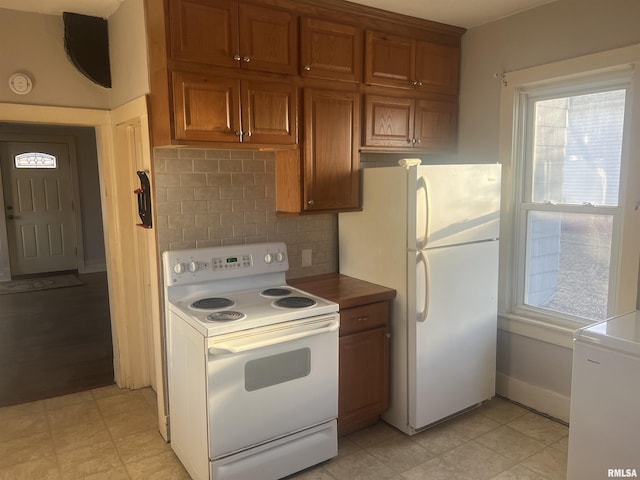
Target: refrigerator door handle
422	185
427	279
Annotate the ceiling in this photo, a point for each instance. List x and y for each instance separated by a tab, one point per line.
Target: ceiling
462	13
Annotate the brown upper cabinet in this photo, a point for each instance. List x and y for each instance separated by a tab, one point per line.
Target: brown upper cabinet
228	33
323	175
210	108
330	50
404	62
423	123
331	159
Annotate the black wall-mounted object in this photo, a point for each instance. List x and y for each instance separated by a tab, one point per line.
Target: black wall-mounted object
144	200
86	41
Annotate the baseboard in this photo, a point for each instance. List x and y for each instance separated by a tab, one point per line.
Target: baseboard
93	267
533	396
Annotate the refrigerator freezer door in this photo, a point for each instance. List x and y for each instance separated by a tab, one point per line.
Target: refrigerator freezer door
456	204
452	353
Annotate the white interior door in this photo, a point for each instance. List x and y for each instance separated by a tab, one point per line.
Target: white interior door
39	207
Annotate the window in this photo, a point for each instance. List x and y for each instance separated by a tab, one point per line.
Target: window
571	194
569	208
35	160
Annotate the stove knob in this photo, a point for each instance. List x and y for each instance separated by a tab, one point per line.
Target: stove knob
280	257
268	258
178	268
193	266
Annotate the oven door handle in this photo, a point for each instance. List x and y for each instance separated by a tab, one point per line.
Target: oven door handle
241	345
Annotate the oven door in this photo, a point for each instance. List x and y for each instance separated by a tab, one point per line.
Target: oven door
271	381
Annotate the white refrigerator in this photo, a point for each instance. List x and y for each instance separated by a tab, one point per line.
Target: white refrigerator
431	232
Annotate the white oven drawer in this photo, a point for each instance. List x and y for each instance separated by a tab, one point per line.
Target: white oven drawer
268	382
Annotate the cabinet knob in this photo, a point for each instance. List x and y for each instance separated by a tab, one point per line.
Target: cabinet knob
237	57
307	67
310	202
363	319
246	59
247	133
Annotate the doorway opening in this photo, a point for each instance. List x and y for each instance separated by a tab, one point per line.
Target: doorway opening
57	336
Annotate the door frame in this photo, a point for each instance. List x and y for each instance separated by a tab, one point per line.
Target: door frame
130	370
5	260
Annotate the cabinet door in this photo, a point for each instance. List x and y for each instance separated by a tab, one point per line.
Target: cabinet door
389	60
436	124
206	108
364	379
269	112
204	31
268	39
331	162
330	50
438	68
389	121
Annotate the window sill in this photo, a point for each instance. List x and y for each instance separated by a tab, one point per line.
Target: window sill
557	331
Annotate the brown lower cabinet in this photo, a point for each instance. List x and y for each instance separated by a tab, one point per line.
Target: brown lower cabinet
363	385
364	366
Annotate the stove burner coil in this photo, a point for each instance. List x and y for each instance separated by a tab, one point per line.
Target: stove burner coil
275	292
225	316
295	302
212	303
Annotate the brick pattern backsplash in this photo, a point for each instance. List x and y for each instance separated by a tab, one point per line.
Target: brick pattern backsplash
209	198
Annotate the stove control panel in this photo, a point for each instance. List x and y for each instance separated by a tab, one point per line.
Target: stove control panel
222	263
279	257
183	267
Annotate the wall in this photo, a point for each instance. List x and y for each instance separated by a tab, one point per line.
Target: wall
34	44
219	197
552	32
89	187
128	52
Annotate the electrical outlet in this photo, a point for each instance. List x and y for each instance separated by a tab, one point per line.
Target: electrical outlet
306	257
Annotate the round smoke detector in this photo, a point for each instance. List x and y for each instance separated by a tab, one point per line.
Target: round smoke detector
20	83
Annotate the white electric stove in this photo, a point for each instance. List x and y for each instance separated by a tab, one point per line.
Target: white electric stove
252	364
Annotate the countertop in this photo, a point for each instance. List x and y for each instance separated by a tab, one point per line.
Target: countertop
346	291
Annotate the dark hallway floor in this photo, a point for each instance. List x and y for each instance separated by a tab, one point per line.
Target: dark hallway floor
55	342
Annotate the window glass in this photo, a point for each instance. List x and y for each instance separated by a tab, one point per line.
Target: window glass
568	261
35	160
571	204
577	148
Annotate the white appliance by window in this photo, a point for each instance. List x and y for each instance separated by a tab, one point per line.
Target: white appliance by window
431	232
252	365
605	388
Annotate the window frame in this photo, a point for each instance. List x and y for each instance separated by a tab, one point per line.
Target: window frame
597	72
525	203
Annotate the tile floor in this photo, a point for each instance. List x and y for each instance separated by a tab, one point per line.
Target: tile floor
108	433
